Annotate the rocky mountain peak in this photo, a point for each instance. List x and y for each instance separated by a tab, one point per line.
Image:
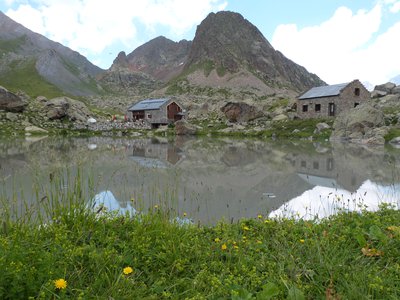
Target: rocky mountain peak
161	58
233	44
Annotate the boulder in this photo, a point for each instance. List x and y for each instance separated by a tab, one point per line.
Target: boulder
321	127
358	123
396	90
395	141
378	94
35	130
57	108
281	117
240	112
64	107
12	116
182	127
387	87
11	102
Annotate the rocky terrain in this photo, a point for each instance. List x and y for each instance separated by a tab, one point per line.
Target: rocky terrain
229	79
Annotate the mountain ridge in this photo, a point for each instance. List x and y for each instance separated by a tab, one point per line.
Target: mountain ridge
58	65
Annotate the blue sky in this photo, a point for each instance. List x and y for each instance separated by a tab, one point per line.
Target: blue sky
338	40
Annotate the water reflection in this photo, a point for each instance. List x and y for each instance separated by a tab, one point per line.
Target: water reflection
210	179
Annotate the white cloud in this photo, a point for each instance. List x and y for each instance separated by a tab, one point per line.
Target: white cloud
344	47
90	26
395	8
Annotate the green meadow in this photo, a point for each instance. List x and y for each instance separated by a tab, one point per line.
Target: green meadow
59	247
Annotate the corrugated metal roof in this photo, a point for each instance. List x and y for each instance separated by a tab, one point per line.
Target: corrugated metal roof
324	91
148	104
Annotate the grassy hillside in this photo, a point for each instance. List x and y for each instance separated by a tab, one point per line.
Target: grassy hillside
23	76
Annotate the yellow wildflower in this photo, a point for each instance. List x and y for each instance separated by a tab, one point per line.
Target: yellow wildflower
302	241
156	206
259	216
266	221
127	270
184	214
235	246
217	240
246	228
133	199
223	247
60	284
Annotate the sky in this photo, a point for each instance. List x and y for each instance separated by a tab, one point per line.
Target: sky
337	40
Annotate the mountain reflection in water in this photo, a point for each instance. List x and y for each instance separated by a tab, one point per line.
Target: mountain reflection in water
210	178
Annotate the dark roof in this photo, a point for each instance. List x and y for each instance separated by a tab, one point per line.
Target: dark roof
324	91
148	104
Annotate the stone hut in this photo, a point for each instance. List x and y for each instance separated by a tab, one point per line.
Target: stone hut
156	111
330	100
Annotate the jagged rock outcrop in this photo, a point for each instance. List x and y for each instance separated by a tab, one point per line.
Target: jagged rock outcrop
10	102
240	112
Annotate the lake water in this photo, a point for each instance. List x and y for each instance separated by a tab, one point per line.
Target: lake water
207	179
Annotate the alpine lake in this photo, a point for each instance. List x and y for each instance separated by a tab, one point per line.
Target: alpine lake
203	180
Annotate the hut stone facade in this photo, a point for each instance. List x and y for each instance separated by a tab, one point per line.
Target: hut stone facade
156	111
330	100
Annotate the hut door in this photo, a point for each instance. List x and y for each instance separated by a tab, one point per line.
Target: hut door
331	109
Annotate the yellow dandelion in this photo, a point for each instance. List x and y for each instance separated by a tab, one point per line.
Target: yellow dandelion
223	247
60	284
127	270
246	228
259	216
133	199
156	206
184	214
266	221
217	240
302	241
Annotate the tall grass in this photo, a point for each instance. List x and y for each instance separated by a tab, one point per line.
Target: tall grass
103	255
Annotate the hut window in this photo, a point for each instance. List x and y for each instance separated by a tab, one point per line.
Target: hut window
357	91
303	164
305	108
356	104
315	165
149	116
317	107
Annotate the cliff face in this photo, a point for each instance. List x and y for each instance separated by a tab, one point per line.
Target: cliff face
24	51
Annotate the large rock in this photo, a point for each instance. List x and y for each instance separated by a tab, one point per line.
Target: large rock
57	108
396	90
182	127
64	107
35	130
10	102
240	112
387	87
360	124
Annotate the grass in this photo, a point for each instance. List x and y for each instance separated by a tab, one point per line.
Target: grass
101	255
24	76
